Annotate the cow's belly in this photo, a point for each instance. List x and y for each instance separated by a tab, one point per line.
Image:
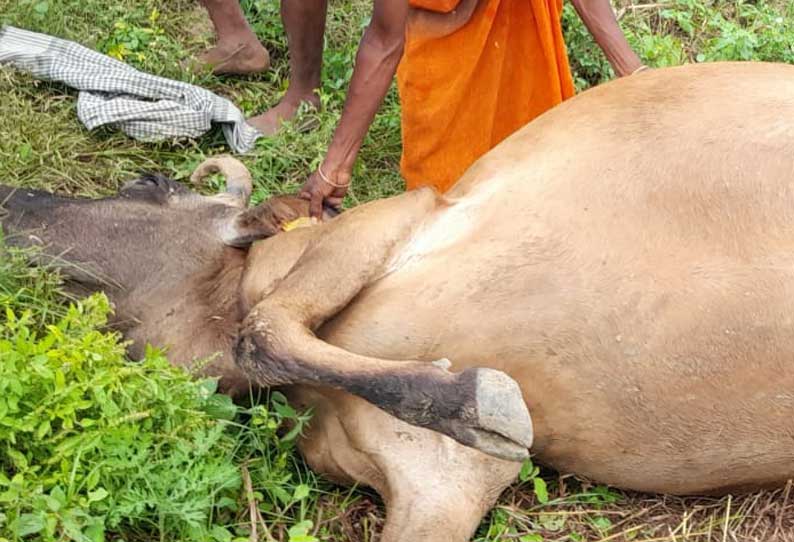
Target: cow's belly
673	377
637	281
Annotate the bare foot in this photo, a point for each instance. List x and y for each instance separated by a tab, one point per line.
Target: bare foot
238	58
270	121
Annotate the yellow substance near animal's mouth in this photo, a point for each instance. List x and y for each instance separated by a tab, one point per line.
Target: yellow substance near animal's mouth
302	222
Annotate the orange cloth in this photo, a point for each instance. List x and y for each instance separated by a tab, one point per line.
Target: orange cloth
464	93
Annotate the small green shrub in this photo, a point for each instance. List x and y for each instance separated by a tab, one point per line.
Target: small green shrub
680	31
129	43
91	444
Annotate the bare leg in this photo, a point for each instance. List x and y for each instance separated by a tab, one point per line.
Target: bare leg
434	488
482	408
304	22
238	51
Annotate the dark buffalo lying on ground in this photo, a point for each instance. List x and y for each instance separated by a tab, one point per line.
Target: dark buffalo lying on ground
627	259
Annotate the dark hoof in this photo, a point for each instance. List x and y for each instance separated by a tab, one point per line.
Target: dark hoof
480	408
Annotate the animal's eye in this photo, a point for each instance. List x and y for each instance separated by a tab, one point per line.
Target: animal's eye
152	186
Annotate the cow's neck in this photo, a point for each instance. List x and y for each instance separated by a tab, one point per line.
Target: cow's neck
195	319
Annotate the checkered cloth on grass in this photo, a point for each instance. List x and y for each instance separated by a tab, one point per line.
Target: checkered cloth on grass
144	106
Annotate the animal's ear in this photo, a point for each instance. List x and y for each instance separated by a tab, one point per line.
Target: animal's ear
264	220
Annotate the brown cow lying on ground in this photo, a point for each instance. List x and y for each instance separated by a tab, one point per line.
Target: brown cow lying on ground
627	258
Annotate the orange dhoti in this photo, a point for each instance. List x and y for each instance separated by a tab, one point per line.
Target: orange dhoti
463	93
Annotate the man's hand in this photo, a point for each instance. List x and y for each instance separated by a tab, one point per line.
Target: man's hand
321	188
378	54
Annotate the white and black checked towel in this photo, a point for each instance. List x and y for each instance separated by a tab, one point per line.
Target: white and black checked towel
144	106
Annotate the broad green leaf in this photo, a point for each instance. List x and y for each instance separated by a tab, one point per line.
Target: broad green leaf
97	495
541	492
601	523
299	532
220	407
41	8
28	524
220	534
96	531
43	430
526	470
301	492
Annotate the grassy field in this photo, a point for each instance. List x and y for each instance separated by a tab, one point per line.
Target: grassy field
122	452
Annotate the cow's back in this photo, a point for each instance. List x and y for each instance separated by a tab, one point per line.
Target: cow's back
629	258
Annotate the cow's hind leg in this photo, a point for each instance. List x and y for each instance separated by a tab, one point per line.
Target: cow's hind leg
434	488
483	408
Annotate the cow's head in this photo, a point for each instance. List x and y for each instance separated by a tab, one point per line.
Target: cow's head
170	259
153	227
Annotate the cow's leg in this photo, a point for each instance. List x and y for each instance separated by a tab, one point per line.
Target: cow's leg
482	408
434	488
440	491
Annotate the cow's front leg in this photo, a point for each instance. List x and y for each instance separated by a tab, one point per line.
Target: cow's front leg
433	489
482	408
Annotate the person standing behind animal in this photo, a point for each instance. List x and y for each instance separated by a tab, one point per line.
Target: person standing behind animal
472	72
475	71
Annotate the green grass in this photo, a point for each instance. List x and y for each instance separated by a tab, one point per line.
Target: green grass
92	445
194	492
65	156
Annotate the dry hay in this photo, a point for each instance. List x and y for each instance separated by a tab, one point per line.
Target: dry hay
579	512
759	517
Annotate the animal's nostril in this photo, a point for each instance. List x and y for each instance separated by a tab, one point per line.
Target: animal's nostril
240	346
245	350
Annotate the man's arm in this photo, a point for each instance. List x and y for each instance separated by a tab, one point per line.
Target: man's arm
599	19
378	55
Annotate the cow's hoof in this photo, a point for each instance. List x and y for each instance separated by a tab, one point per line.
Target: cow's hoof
504	426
